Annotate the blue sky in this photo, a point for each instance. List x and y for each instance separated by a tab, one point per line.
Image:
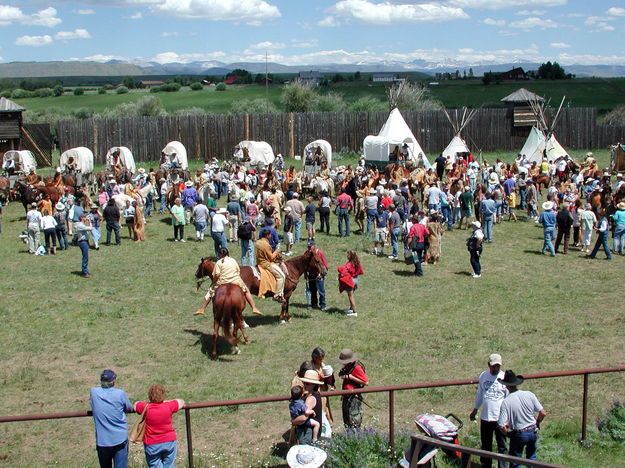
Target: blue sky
301	32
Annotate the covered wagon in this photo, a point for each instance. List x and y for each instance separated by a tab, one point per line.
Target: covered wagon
120	157
174	155
78	162
254	153
316	153
20	161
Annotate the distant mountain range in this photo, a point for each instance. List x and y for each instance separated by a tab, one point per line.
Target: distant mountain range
119	68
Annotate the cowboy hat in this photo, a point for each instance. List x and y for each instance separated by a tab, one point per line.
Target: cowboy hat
162	179
510	379
347	356
327	370
222	211
621	206
59	206
305	456
141	170
311	377
188	183
372	191
547	205
589	154
94	206
476	224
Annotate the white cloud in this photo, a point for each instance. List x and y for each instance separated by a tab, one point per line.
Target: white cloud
173	57
616	11
101	58
534	22
87	11
494	22
559	45
137	15
600	23
501	4
304	44
241	11
267	45
531	12
169	34
329	22
13	15
387	13
69	35
33	41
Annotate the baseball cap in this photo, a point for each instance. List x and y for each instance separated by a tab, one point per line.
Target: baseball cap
108	376
495	359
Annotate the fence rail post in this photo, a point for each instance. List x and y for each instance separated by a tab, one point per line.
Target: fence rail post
187	417
584	408
391	420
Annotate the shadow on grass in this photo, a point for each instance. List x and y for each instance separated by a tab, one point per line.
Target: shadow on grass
463	273
205	341
77	273
404	272
535	252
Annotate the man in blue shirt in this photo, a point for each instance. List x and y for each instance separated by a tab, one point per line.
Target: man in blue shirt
109	406
488	208
548	220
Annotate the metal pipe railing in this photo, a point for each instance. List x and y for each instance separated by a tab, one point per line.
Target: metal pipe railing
391	389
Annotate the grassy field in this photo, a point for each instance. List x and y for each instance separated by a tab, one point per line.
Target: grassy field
605	94
135	315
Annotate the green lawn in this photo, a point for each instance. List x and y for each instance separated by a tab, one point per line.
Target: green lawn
604	94
135	315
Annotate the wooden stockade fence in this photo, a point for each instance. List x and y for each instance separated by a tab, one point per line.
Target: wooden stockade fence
207	136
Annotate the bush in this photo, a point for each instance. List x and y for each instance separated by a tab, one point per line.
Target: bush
19	93
196	86
408	96
58	90
102	91
121	90
149	106
365	448
613	422
79	91
367	104
6	93
330	102
615	117
190	111
298	97
82	113
42	92
253	106
167	88
221	86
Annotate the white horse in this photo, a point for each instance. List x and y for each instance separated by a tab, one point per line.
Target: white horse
318	185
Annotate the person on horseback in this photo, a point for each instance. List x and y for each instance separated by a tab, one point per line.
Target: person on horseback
266	258
227	271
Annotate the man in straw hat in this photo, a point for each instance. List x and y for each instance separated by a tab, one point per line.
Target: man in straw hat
354	376
519	417
489	396
109	405
548	220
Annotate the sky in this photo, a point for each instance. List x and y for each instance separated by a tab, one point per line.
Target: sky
305	32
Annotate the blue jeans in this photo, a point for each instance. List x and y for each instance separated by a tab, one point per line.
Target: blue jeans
520	441
498	207
61	235
163	203
317	292
247	252
550	235
417	258
343	215
148	205
488	228
219	238
434	206
602	241
297	227
112	227
200	227
395	239
618	240
522	191
84	248
117	456
370	219
447	214
161	455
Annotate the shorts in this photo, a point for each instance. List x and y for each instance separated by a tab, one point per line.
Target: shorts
130	220
289	238
310	226
380	234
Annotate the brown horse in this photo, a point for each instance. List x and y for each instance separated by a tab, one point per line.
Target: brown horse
542	180
5	189
309	262
27	194
228	305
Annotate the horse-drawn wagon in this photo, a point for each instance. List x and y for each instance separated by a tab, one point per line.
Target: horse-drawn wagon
15	162
254	153
174	156
79	163
121	162
316	153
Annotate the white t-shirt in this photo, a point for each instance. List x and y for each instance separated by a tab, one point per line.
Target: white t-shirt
219	223
48	222
490	393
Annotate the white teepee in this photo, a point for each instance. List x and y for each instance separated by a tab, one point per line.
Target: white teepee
457	143
534	146
542	140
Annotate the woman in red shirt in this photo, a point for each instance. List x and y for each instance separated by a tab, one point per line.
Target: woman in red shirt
159	441
348	280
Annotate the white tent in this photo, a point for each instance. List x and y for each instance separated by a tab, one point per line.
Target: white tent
555	149
23	159
455	146
177	148
260	152
395	132
457	143
126	159
534	146
326	150
83	157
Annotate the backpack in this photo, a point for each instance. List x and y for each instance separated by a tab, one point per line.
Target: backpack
244	232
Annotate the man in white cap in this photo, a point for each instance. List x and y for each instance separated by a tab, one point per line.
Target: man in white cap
489	396
297	210
218	230
474	246
548	220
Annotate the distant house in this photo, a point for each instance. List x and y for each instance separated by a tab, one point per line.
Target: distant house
512	75
386	78
230	79
312	78
151	83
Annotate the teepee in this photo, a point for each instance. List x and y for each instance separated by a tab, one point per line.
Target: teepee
457	145
542	140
